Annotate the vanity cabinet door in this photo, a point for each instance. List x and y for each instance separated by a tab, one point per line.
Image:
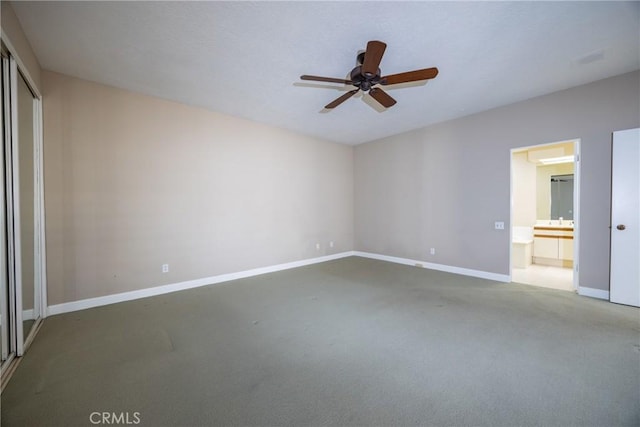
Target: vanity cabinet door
566	249
545	247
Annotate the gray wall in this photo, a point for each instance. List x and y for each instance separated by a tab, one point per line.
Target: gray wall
133	182
444	186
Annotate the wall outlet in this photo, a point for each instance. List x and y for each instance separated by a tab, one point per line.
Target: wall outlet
165	268
317	246
499	225
432	251
331	244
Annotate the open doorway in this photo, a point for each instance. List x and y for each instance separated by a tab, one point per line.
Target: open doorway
545	191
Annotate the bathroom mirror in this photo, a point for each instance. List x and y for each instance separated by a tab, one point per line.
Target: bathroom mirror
562	197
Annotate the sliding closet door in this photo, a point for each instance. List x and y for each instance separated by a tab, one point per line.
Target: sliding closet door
6	331
25	207
22	259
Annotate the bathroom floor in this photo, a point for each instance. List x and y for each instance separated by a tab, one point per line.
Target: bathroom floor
544	276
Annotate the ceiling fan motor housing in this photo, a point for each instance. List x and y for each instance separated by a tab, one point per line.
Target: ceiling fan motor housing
363	81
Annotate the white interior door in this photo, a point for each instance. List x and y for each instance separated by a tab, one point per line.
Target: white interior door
625	218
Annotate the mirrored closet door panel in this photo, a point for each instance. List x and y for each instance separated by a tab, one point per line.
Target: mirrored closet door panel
22	262
25	218
5	347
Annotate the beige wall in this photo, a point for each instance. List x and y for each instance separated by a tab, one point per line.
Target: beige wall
524	190
12	29
543	177
444	186
133	182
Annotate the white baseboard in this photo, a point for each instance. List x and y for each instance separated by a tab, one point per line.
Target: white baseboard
440	267
593	293
189	284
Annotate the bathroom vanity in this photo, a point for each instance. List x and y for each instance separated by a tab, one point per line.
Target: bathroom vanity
553	243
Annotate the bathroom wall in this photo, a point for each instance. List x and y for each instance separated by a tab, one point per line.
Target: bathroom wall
524	184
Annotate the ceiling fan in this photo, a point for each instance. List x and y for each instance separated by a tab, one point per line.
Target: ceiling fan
366	76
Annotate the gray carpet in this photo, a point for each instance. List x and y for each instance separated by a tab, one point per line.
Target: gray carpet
348	342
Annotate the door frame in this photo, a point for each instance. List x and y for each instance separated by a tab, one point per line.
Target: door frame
576	205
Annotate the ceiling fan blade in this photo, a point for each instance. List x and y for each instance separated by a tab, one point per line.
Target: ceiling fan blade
372	57
410	76
326	79
340	100
382	97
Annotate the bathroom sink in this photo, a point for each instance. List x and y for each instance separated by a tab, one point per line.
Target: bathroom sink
554	223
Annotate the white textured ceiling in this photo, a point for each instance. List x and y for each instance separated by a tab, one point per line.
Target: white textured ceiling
245	58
